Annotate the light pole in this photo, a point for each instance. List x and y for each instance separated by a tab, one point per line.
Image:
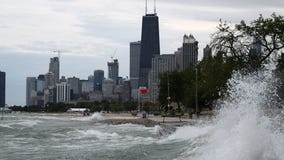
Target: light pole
196	96
2	113
138	100
168	98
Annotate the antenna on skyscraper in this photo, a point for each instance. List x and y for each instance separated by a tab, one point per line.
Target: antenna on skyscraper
146	7
155	6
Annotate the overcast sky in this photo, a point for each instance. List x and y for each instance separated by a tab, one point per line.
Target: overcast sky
88	32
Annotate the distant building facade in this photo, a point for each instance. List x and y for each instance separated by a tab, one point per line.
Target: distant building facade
62	92
31	91
87	86
50	80
135	50
98	80
160	64
108	88
40	83
207	52
54	68
123	91
179	59
2	89
74	84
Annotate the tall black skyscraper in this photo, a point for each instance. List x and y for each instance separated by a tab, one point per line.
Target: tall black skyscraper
150	45
2	88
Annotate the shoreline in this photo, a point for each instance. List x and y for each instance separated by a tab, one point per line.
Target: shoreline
124	118
149	121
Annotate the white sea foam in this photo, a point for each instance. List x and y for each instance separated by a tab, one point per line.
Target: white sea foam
27	123
6	126
189	132
157	129
98	134
97	116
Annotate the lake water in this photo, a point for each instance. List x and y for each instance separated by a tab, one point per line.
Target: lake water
247	127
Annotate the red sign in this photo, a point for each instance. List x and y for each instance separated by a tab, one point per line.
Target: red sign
143	90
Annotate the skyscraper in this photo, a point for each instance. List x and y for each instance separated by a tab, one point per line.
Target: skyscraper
31	91
150	45
2	89
98	79
113	69
54	68
135	50
189	51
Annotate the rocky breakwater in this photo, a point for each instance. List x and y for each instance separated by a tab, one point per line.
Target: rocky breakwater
139	121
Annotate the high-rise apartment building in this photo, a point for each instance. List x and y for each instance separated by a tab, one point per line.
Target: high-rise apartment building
31	91
113	70
160	64
63	92
150	45
135	50
189	51
54	68
74	87
2	89
98	79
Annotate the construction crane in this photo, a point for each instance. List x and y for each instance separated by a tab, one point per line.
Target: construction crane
58	52
112	56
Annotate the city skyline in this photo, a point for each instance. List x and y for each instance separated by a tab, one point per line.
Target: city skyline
88	32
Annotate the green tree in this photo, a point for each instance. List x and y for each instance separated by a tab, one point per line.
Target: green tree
236	41
176	82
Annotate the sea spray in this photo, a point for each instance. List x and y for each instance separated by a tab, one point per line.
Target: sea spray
241	129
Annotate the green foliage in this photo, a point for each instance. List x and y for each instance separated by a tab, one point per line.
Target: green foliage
57	107
232	45
236	41
27	108
176	82
212	75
